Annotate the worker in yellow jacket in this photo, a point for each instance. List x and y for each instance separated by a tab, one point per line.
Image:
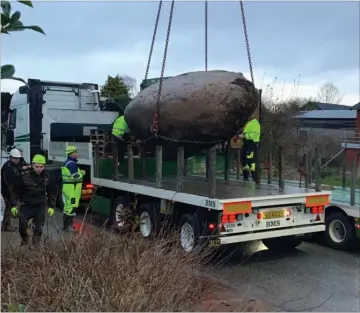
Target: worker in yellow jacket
251	136
72	180
119	132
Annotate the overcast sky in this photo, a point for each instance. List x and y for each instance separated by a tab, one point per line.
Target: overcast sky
86	41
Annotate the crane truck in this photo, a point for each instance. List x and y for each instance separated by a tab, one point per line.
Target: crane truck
46	117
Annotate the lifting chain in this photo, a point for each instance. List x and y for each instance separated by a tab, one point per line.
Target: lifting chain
155	124
206	35
153	41
247	41
154	129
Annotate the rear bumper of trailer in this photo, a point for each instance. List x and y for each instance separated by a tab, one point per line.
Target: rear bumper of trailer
231	239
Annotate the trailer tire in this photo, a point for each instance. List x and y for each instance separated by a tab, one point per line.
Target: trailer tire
339	232
120	219
282	244
148	220
189	233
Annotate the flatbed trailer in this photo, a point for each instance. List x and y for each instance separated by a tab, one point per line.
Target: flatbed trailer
207	211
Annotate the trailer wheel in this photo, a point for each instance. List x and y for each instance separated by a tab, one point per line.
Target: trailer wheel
148	219
282	244
189	232
121	216
339	233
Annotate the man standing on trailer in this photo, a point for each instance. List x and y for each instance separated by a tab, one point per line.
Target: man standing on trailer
37	194
10	172
251	137
72	179
119	131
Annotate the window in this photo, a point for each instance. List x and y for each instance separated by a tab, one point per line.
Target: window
12	119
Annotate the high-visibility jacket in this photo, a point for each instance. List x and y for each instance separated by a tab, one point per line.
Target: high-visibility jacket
252	130
119	127
71	186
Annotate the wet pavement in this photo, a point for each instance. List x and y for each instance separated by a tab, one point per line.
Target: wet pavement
314	278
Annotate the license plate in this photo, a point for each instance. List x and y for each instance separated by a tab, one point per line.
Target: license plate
214	242
86	192
273	214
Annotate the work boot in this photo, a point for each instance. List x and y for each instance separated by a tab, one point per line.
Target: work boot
24	241
246	175
8	227
253	176
68	223
36	240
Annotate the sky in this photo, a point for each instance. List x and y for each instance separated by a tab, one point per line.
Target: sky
302	44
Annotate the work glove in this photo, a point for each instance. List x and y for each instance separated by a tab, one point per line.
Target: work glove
14	211
51	211
83	172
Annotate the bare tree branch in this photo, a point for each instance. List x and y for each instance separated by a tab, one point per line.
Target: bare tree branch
329	93
131	84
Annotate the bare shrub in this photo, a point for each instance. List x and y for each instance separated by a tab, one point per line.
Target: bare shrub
102	273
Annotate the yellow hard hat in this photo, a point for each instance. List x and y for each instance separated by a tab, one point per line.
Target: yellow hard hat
38	158
71	149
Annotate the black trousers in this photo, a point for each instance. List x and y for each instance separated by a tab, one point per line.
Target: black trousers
120	146
247	160
7	214
35	212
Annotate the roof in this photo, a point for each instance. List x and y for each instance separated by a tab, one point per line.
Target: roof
328	114
356	107
327	106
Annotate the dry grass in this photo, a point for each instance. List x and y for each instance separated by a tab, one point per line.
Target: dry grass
102	272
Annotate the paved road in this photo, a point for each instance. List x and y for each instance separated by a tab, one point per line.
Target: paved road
314	278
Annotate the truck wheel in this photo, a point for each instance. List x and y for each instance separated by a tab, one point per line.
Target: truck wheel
121	216
282	244
340	232
189	232
148	219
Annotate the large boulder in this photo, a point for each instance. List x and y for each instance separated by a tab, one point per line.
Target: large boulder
201	106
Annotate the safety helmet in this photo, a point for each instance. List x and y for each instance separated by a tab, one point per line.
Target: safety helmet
38	158
71	149
15	153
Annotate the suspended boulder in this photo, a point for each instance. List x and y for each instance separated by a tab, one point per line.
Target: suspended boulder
198	106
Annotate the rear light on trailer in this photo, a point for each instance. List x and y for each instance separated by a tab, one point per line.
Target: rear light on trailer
89	186
316	210
211	227
260	215
228	218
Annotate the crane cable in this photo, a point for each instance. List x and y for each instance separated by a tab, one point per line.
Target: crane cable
154	129
153	40
247	41
206	35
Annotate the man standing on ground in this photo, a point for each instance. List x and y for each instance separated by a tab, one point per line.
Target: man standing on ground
72	179
10	172
251	136
36	192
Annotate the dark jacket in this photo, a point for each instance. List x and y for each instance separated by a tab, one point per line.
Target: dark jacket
10	175
36	189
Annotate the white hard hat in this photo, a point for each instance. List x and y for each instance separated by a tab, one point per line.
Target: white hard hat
15	153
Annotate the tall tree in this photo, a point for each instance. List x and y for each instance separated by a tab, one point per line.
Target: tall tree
131	84
114	87
329	93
